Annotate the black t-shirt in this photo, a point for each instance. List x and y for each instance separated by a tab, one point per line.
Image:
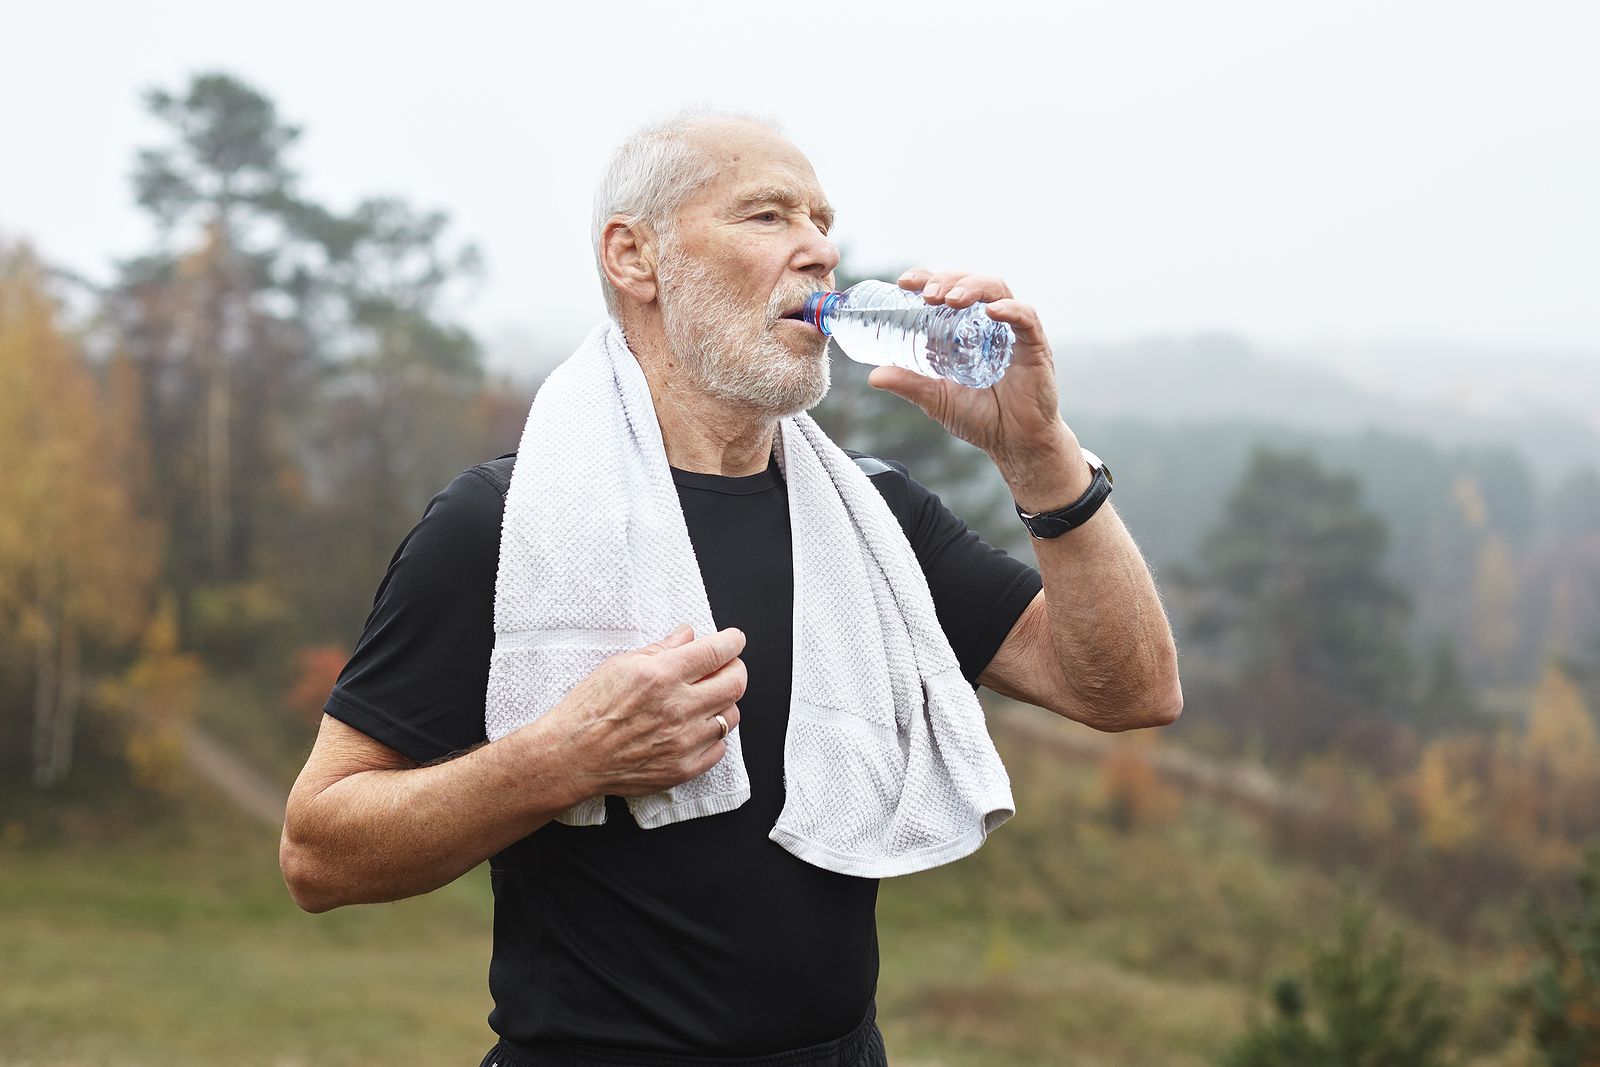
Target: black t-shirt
698	938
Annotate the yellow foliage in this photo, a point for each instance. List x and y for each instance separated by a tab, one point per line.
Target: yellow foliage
1529	794
1448	795
71	543
1561	733
156	760
157	696
77	560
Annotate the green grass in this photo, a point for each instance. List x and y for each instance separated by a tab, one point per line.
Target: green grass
1065	942
153	932
179	945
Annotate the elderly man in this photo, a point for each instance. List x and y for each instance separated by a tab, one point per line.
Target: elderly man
630	936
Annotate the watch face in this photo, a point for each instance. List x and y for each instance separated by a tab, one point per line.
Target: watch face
1097	463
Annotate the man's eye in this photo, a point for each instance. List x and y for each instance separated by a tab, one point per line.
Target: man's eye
767	216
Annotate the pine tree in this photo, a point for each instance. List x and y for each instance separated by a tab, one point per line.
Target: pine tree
1290	588
1357	1010
1562	993
211	320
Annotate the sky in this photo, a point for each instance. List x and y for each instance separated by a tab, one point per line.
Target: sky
1305	175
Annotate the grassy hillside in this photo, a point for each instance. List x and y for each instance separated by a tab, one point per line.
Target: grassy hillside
162	935
177	944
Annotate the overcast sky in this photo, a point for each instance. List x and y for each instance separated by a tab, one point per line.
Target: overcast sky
1290	172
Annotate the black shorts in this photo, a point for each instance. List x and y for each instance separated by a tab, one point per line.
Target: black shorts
861	1047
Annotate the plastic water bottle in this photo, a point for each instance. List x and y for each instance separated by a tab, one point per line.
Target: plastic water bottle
883	324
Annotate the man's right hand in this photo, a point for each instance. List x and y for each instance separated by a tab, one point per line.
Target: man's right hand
643	721
364	823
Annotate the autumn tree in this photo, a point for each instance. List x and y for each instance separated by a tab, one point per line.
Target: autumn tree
155	699
1561	732
77	560
1495	809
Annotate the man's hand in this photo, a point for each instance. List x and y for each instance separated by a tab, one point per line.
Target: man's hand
1017	421
643	721
365	824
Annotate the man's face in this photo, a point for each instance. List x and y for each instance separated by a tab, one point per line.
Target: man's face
746	251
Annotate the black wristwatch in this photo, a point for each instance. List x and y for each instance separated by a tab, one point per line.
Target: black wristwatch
1047	524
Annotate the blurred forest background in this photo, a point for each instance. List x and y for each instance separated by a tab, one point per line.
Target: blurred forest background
1365	841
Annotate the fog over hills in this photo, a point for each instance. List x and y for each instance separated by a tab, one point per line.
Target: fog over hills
1546	405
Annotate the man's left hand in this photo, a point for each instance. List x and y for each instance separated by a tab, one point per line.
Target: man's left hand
1017	421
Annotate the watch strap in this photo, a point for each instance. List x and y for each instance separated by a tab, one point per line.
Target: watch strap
1047	524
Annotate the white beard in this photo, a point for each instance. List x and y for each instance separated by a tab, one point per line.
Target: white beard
734	355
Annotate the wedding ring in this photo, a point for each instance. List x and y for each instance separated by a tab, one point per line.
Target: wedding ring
722	723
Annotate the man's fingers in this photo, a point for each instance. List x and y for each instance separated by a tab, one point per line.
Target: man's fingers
921	390
1023	318
967	290
938	285
954	287
702	656
677	638
710	756
723	686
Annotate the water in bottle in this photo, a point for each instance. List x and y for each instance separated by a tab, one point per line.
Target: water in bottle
882	324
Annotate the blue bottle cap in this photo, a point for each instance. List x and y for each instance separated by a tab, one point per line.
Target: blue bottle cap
817	308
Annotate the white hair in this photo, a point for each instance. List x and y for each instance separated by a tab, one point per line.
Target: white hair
652	173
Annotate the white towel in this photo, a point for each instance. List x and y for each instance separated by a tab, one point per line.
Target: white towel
888	766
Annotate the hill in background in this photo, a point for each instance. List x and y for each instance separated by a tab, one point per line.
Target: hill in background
1546	406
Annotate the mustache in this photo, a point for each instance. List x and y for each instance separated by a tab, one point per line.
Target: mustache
784	301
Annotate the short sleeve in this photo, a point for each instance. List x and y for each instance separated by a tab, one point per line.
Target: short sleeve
419	676
979	591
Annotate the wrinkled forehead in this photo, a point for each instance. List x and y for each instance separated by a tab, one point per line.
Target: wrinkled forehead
750	160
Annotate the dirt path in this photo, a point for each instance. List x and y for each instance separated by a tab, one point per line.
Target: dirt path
217	764
1243	785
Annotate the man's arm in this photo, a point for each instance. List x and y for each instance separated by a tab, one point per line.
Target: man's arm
1094	645
365	824
1102	652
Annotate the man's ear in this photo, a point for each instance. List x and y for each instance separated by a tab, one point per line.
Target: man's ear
628	256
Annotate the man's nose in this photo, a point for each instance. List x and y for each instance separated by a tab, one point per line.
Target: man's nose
815	255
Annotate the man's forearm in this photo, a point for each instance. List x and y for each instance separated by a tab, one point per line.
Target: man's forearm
1110	632
385	834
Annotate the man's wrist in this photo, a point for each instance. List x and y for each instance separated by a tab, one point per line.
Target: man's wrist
1050	477
561	782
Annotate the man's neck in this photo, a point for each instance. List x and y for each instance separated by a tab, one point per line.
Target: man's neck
702	433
